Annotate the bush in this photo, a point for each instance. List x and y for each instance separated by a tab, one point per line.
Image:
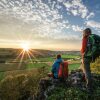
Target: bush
95	67
19	86
71	93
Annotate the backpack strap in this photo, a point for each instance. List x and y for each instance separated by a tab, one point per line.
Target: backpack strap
93	47
90	43
92	38
63	70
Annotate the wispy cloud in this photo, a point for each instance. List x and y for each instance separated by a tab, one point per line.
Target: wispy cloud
90	15
46	19
93	24
77	8
77	28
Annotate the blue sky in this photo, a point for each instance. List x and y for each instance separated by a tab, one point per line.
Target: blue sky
47	24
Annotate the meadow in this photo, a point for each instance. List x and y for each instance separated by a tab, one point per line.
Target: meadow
21	78
36	62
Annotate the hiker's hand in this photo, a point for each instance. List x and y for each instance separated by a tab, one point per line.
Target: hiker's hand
83	55
82	61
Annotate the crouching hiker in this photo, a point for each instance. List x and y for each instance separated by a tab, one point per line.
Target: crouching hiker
58	75
59	69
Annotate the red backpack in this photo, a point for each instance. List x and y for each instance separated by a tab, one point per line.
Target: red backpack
63	70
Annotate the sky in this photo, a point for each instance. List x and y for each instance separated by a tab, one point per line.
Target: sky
47	24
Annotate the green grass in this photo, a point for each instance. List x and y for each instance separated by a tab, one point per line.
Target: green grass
70	56
51	59
12	66
46	59
36	65
1	75
39	65
39	62
73	93
74	66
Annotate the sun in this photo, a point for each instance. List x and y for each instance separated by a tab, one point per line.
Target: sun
25	47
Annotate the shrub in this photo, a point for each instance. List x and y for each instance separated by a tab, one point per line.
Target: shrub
95	67
23	85
73	93
62	93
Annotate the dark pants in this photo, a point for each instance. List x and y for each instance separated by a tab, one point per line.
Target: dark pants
87	73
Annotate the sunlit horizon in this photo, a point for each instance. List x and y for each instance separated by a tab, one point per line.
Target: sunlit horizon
52	47
47	24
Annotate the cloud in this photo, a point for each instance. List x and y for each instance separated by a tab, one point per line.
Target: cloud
46	20
77	8
90	15
41	19
93	24
77	28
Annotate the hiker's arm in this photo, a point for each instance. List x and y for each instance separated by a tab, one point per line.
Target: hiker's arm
84	45
53	68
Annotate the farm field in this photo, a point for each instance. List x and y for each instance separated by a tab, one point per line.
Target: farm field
36	62
31	66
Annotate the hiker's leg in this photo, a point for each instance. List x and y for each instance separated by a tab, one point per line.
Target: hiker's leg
87	73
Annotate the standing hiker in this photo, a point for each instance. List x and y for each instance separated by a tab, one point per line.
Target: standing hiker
90	51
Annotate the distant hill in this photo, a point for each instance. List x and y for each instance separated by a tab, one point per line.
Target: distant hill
4	52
